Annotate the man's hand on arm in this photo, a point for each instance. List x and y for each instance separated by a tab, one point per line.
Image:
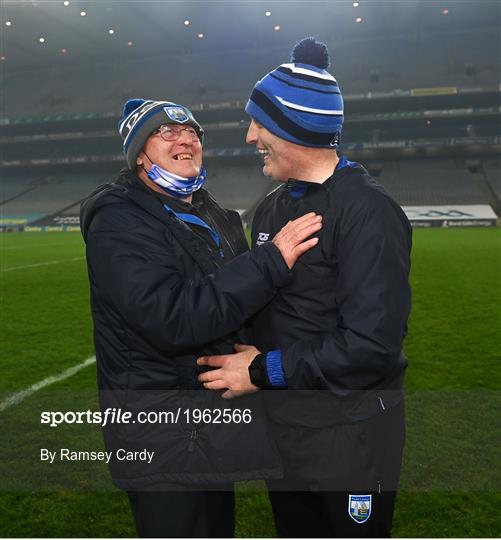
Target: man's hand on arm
233	373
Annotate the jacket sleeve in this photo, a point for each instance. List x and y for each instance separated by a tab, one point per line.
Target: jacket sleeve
372	243
142	279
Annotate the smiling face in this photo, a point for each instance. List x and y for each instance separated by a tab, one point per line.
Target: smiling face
280	157
182	157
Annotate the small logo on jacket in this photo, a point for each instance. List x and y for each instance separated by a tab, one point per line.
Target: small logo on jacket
262	237
176	114
359	507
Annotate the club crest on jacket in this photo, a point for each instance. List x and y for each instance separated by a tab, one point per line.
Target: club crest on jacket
359	507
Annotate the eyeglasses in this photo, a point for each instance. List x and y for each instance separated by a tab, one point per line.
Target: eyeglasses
172	133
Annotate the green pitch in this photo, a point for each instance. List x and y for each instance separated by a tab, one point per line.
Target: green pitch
451	480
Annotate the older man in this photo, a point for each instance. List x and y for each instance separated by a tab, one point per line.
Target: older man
171	279
333	336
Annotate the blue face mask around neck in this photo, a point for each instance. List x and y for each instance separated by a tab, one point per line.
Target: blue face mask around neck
174	185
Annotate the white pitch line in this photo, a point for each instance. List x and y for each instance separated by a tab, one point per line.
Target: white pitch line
15	399
40	264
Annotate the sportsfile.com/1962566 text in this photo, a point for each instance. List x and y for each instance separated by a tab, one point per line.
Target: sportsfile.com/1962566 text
114	415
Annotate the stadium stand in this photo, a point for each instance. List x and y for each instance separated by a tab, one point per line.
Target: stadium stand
433	182
49	197
237	186
17	187
416	112
426	60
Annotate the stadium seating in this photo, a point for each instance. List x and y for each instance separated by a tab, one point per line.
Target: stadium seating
426	61
432	182
50	197
237	187
14	186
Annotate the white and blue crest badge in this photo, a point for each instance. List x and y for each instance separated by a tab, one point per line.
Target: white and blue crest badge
176	114
359	507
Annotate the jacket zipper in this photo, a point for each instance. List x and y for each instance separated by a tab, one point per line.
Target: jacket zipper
193	436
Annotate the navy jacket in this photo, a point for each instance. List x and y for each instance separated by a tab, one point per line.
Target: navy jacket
337	328
161	296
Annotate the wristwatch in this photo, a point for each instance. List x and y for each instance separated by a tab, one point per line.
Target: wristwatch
258	373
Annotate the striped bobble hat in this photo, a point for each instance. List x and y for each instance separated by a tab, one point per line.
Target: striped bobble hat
300	101
143	116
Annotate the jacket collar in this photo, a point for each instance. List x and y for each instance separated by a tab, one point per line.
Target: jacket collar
146	199
297	188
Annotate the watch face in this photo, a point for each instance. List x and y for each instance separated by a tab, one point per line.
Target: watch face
257	377
257	372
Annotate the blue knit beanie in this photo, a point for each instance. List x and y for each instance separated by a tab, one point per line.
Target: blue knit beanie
141	117
300	102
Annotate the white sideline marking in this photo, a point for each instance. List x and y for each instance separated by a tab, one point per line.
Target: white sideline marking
15	399
2	248
40	264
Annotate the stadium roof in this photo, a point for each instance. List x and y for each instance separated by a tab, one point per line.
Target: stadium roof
45	34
